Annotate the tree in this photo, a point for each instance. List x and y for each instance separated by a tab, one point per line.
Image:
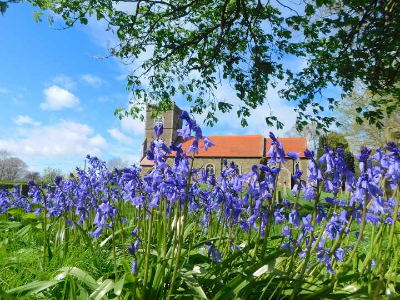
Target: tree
336	140
32	175
117	163
49	174
195	45
12	168
309	131
364	134
4	154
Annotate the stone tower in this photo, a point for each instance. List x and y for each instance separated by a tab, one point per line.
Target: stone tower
170	120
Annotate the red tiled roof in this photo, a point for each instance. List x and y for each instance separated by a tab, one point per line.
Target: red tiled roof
146	162
230	146
295	144
241	146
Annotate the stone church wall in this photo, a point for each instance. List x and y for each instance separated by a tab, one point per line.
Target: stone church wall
245	164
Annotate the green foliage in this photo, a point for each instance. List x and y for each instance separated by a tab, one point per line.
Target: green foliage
194	45
87	271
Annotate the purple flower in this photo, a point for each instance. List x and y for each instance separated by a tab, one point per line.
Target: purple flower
294	218
293	155
194	147
134	232
363	157
339	254
307	226
276	150
158	130
286	231
97	232
309	154
207	143
134	266
279	218
133	247
308	192
373	219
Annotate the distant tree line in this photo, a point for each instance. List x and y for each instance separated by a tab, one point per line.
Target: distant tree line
13	168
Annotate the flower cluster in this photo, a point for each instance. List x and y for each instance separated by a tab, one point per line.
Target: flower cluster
244	206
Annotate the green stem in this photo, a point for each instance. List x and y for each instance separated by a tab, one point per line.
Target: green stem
114	252
389	247
147	258
316	294
181	231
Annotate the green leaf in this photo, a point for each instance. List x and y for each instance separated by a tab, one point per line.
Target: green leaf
109	238
37	16
32	288
119	285
23	231
239	282
103	289
79	274
193	285
10	225
5	296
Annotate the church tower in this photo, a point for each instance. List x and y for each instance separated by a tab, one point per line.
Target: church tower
171	122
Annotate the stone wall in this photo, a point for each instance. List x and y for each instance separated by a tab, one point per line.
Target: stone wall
245	164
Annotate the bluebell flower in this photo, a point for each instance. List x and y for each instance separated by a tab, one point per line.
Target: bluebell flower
276	150
293	155
194	147
308	192
158	130
134	266
207	143
133	247
339	254
373	263
279	218
294	218
286	231
363	157
97	232
307	226
373	219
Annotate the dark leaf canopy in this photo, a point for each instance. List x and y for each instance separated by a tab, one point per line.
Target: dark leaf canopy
192	46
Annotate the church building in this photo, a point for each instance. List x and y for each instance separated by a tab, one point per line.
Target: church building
244	150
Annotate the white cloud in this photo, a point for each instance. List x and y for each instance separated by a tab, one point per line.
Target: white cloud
25	120
98	141
64	81
93	80
57	98
65	139
120	137
3	90
133	126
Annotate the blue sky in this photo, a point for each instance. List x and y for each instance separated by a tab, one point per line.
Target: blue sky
57	101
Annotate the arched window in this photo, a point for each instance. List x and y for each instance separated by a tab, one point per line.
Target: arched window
158	121
210	169
297	167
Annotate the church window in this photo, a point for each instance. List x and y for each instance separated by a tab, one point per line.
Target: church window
158	121
297	166
210	169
